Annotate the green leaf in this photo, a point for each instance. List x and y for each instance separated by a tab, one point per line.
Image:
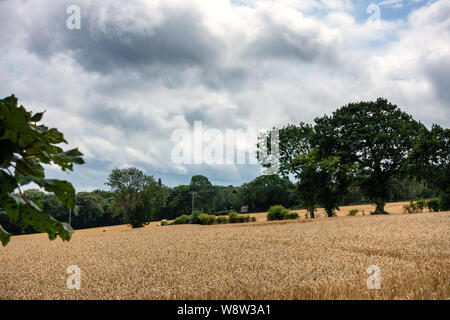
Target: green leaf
67	158
4	236
43	222
25	146
7	149
63	190
29	167
37	117
7	183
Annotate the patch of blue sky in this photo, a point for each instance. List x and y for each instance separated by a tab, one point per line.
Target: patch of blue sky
390	10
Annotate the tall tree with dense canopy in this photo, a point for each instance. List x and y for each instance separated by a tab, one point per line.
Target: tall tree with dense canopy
204	193
431	161
24	146
137	197
321	180
376	136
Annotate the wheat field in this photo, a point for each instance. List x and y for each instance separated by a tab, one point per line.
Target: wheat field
322	259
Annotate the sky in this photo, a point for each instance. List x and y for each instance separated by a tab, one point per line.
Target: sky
135	72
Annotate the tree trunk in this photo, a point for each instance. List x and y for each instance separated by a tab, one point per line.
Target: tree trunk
380	206
311	212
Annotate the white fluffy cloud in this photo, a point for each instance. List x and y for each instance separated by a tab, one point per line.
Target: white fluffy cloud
137	71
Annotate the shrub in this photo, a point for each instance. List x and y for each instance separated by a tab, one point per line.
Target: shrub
421	204
277	212
291	215
411	208
183	219
353	212
195	215
253	219
433	205
238	218
164	222
232	217
444	201
223	220
206	219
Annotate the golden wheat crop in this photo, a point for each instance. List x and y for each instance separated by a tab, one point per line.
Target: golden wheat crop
322	259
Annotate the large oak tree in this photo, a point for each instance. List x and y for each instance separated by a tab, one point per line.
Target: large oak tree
376	136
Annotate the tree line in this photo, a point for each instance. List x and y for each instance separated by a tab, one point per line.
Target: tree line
136	198
366	152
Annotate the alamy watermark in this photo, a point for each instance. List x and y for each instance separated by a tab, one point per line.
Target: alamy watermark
374	280
73	21
374	20
226	147
74	279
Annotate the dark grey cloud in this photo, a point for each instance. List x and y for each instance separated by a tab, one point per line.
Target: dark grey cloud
179	40
137	71
282	40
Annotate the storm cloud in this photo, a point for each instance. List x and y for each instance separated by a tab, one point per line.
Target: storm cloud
136	71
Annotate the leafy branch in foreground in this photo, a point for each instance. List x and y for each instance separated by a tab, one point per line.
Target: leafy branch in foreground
24	146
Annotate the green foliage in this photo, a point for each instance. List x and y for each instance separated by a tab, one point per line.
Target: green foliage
223	220
444	201
206	219
411	208
353	212
25	146
278	212
265	191
178	201
377	137
137	197
433	205
224	213
219	202
291	215
90	211
421	204
322	179
195	216
204	193
164	222
233	217
431	161
238	218
183	219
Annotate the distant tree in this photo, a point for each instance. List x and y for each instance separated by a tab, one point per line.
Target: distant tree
241	197
219	203
136	196
200	183
431	160
265	191
178	202
376	136
223	198
321	181
204	193
90	210
24	147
